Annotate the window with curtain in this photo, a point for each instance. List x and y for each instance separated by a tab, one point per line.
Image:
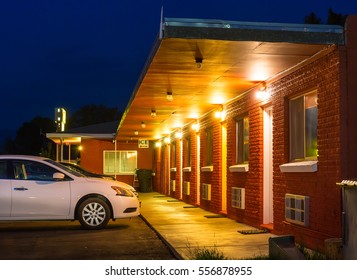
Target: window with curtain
209	146
173	154
187	148
242	139
119	162
303	127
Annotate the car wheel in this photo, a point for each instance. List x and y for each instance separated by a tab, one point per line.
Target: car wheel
93	213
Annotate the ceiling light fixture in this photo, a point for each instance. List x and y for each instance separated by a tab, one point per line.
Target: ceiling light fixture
143	125
169	96
136	132
199	61
153	113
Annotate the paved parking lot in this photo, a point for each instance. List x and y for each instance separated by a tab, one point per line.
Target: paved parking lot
124	239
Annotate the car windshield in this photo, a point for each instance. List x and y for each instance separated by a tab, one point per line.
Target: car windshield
65	168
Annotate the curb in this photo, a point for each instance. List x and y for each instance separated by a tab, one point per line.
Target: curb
167	244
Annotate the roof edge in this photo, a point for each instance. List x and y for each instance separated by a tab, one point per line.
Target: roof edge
252	31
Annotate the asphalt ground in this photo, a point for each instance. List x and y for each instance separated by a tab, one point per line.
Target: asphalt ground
167	229
123	239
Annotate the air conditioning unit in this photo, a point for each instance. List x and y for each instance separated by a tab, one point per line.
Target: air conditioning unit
297	209
173	185
238	198
186	188
206	191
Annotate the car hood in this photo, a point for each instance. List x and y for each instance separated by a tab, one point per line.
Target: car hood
108	182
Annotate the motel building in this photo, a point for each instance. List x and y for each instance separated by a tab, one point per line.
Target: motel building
256	121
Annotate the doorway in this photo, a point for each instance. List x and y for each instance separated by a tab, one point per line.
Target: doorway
268	167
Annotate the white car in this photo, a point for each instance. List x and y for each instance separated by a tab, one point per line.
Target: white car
36	188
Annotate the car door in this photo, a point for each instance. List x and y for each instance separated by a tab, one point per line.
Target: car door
36	194
5	190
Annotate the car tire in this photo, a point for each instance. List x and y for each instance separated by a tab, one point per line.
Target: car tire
93	213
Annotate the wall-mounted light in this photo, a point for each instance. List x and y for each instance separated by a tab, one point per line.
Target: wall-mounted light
167	140
199	61
169	96
153	113
263	92
220	114
136	132
195	126
143	125
178	134
158	144
263	87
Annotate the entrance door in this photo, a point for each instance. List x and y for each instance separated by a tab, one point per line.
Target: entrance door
224	169
268	167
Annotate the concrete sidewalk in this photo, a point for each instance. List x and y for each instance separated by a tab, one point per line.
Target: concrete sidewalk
184	227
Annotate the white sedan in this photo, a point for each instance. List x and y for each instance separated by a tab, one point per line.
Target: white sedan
36	188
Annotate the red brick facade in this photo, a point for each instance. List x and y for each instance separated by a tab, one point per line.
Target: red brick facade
321	74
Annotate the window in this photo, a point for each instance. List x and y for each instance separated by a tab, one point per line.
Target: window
32	170
209	146
297	209
238	198
3	169
303	127
242	140
119	162
187	151
173	154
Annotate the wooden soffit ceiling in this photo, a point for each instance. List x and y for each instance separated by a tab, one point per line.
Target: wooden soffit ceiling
231	65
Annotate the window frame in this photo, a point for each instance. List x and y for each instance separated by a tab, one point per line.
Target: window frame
173	160
297	153
242	130
188	155
209	146
118	169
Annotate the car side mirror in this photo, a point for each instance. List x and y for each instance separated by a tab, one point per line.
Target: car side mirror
58	176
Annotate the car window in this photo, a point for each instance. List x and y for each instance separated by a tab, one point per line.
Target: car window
65	168
3	169
32	170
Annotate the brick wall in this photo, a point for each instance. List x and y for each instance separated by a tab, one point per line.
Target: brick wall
325	197
214	177
321	74
252	181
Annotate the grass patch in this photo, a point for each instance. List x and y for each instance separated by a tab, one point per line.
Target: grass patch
311	254
204	253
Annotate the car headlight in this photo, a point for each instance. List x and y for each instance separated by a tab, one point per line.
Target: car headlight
122	191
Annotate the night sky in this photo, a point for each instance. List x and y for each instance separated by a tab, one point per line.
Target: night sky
58	53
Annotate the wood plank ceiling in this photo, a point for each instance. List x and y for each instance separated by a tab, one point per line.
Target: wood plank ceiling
236	57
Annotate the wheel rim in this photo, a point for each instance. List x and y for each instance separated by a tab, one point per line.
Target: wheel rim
94	214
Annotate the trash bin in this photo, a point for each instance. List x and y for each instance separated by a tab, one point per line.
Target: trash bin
144	177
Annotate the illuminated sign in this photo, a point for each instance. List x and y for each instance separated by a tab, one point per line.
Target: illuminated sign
143	143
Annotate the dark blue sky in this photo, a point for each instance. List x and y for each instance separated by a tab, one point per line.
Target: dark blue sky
70	53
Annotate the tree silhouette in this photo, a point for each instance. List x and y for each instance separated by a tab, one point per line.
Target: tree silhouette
31	138
332	18
312	19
